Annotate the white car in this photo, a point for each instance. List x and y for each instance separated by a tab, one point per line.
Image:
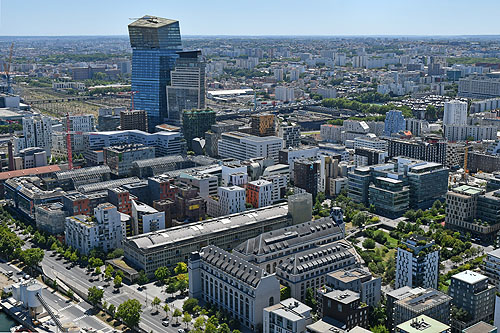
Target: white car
165	323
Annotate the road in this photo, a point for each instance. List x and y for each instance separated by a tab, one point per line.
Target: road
78	277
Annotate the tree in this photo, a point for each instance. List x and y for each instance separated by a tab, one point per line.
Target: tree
224	328
95	295
186	319
155	302
54	246
181	268
70	294
177	313
310	299
199	323
117	281
162	273
142	278
97	271
369	243
32	257
210	328
130	312
359	219
379	329
166	308
74	257
171	288
112	310
189	305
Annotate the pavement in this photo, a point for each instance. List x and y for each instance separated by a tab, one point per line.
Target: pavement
79	278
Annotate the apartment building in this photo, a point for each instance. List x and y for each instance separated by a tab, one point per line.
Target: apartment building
358	280
491	267
423	323
288	315
417	263
146	219
259	193
229	200
344	307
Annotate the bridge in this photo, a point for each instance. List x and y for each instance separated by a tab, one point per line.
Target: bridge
59	100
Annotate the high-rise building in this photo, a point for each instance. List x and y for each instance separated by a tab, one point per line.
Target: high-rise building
195	123
472	294
155	42
134	120
37	132
432	149
80	123
389	196
455	113
394	122
263	125
306	176
417	263
146	219
285	94
290	133
187	86
479	87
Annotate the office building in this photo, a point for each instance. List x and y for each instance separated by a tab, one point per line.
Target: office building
103	230
262	125
288	315
369	156
455	113
428	182
471	209
187	86
165	143
50	218
471	293
134	120
344	307
244	146
479	87
430	149
146	219
423	324
258	193
175	244
389	196
195	123
306	176
155	42
29	158
420	301
358	280
370	142
417	263
229	200
308	269
270	249
394	122
234	285
120	158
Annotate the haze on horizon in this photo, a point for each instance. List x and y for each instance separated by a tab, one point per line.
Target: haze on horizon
262	18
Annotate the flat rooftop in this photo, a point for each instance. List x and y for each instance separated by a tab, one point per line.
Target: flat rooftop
469	277
423	324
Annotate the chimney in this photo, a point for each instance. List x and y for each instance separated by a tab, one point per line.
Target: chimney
11	156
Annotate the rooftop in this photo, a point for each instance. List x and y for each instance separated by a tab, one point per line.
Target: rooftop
469	277
29	172
290	309
423	300
480	327
343	296
423	324
149	21
468	190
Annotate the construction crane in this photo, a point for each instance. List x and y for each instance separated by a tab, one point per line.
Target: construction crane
132	93
6	67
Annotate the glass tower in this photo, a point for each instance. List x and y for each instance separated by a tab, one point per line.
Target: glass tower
155	42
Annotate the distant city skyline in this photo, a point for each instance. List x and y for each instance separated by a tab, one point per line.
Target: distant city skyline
262	18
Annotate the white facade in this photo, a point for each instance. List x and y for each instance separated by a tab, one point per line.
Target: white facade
104	230
289	316
327	92
491	267
238	287
464	132
82	123
205	184
331	133
37	131
245	146
279	186
235	175
146	219
416	270
230	200
68	85
374	143
455	113
265	190
284	94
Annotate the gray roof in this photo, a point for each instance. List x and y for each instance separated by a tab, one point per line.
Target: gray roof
233	265
287	237
107	184
320	256
150	21
188	232
421	301
342	296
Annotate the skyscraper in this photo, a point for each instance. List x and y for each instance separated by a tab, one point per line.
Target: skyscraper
455	113
187	87
394	122
155	42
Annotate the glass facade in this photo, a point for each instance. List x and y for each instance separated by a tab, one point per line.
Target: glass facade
155	43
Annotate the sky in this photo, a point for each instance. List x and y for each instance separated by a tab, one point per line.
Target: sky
254	17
